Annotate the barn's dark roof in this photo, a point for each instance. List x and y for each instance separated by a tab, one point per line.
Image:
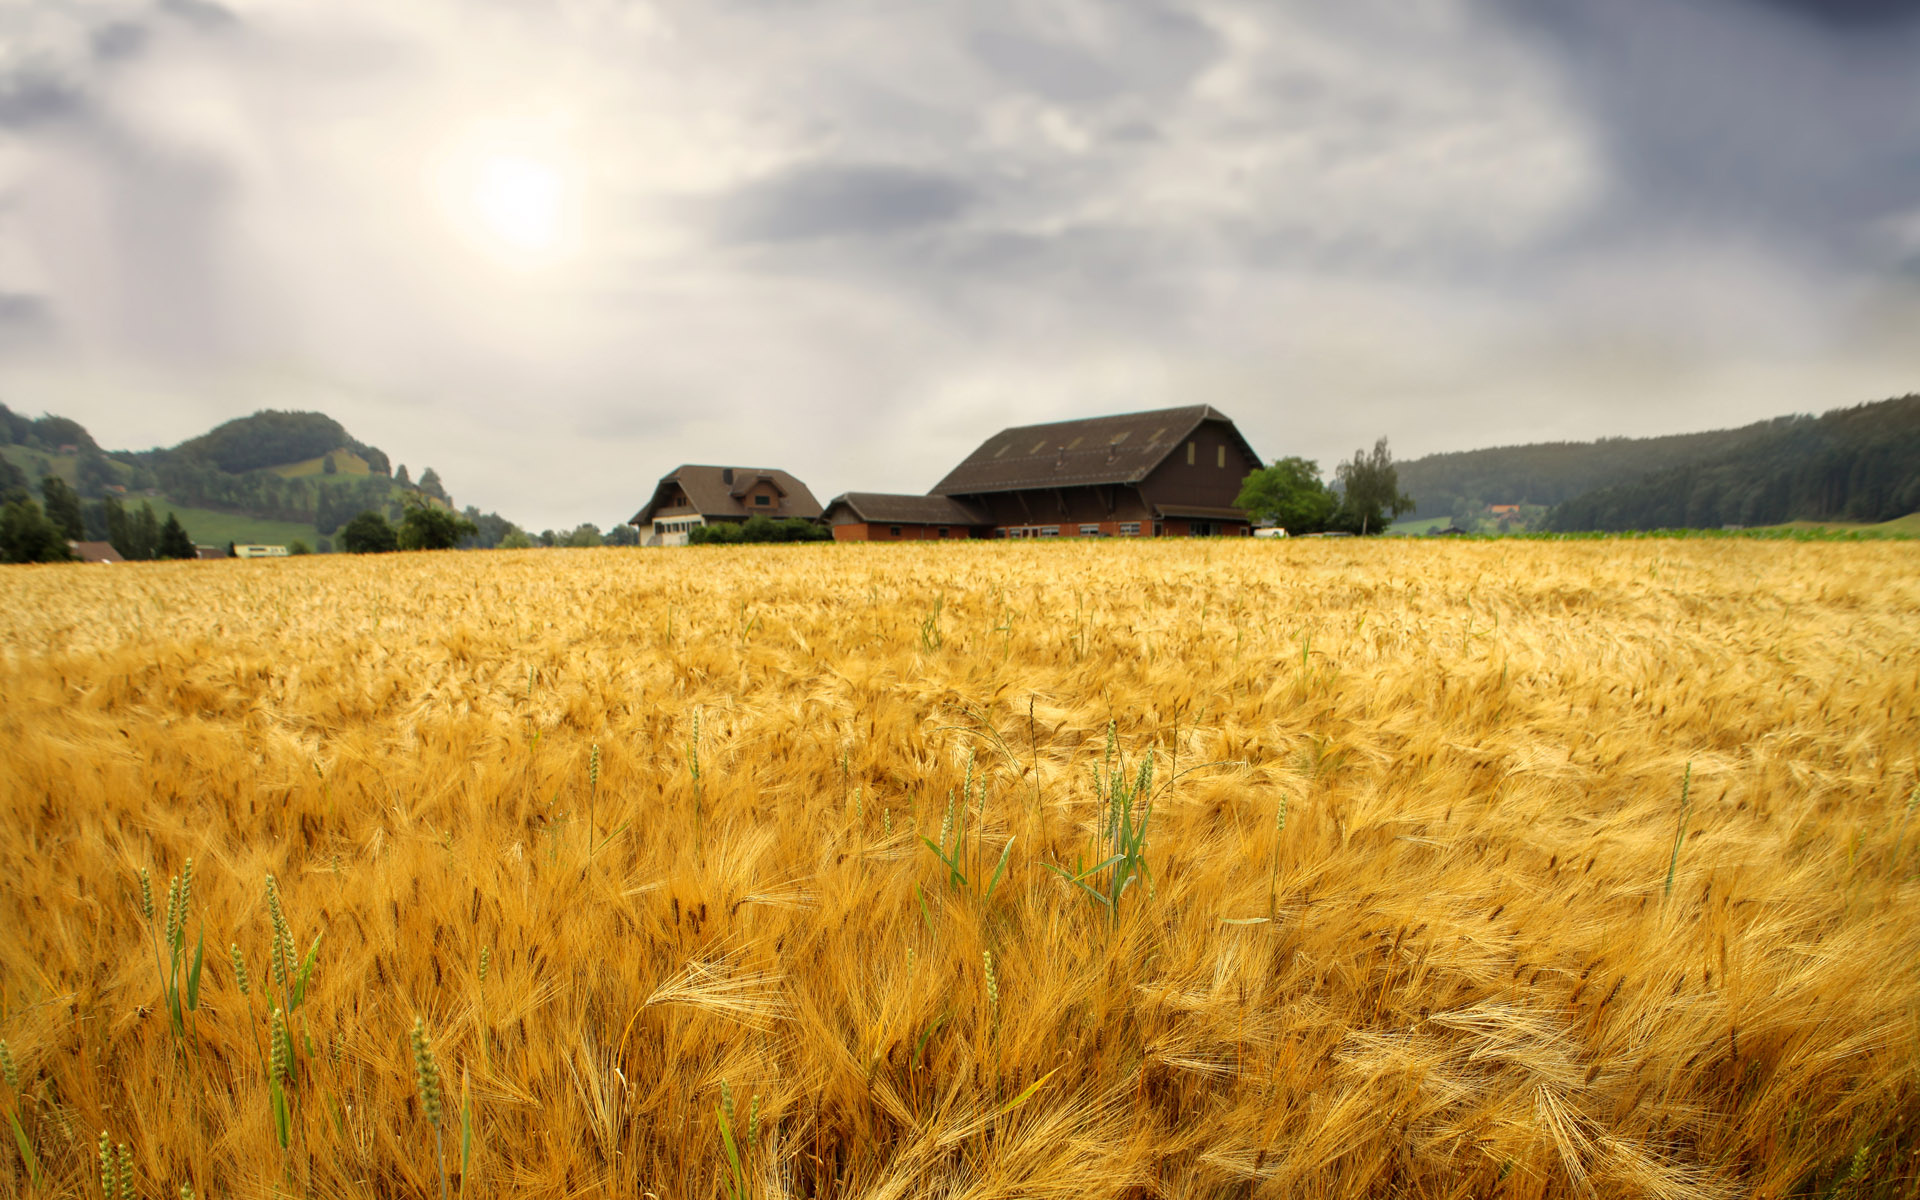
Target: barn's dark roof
712	496
882	508
1097	450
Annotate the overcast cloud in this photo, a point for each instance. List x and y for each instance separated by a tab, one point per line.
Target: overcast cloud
554	249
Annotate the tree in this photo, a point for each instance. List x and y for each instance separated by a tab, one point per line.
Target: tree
63	507
400	476
516	539
328	466
1291	494
174	542
1370	490
140	532
585	536
13	481
430	484
426	527
623	535
368	533
27	536
296	546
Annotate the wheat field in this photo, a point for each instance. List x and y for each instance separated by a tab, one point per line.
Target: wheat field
1209	869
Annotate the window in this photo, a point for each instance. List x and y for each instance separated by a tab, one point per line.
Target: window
1049	531
1038	446
726	475
1159	527
763	500
1221	456
1199	529
943	531
1190	451
893	530
1129	529
1089	531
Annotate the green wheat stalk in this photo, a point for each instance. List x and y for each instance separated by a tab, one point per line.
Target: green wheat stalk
1686	789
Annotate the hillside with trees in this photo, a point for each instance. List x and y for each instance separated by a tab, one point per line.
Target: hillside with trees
1857	464
272	476
1464	483
1845	465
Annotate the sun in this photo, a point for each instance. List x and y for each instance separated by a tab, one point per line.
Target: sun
521	201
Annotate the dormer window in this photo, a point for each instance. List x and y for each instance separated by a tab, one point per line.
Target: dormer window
763	500
726	475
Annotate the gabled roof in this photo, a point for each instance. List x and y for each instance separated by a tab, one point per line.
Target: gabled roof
887	508
1122	449
95	552
711	494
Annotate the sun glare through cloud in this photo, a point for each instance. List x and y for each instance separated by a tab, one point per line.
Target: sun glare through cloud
511	194
519	202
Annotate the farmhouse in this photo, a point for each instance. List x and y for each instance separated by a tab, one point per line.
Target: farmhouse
1171	472
692	495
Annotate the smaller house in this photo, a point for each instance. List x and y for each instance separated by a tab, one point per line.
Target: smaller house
1496	511
885	517
95	552
208	552
256	551
692	495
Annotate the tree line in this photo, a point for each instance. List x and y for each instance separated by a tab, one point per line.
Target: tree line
1850	464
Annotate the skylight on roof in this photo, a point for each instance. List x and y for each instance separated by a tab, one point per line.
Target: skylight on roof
1118	438
1038	446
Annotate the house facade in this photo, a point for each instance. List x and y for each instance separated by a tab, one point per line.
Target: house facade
1171	472
692	495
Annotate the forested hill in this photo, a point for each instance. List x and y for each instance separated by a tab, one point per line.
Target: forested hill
1463	483
1851	464
270	439
272	476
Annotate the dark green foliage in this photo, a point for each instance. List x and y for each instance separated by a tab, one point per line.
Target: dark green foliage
1370	492
94	473
368	533
430	484
136	535
298	547
1851	464
585	536
174	542
400	476
63	507
427	527
622	535
45	433
13	482
328	466
1291	494
27	536
758	529
1548	473
269	439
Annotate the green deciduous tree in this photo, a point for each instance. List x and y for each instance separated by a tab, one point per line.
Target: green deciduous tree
27	536
427	527
63	507
1291	494
368	533
1370	491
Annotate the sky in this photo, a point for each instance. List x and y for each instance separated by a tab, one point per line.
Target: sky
553	249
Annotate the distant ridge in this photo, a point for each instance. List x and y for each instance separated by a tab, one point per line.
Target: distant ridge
1551	474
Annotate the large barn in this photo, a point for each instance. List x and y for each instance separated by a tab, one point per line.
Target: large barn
692	495
1172	472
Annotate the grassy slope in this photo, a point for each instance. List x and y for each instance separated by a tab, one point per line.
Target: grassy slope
1455	968
209	528
347	461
